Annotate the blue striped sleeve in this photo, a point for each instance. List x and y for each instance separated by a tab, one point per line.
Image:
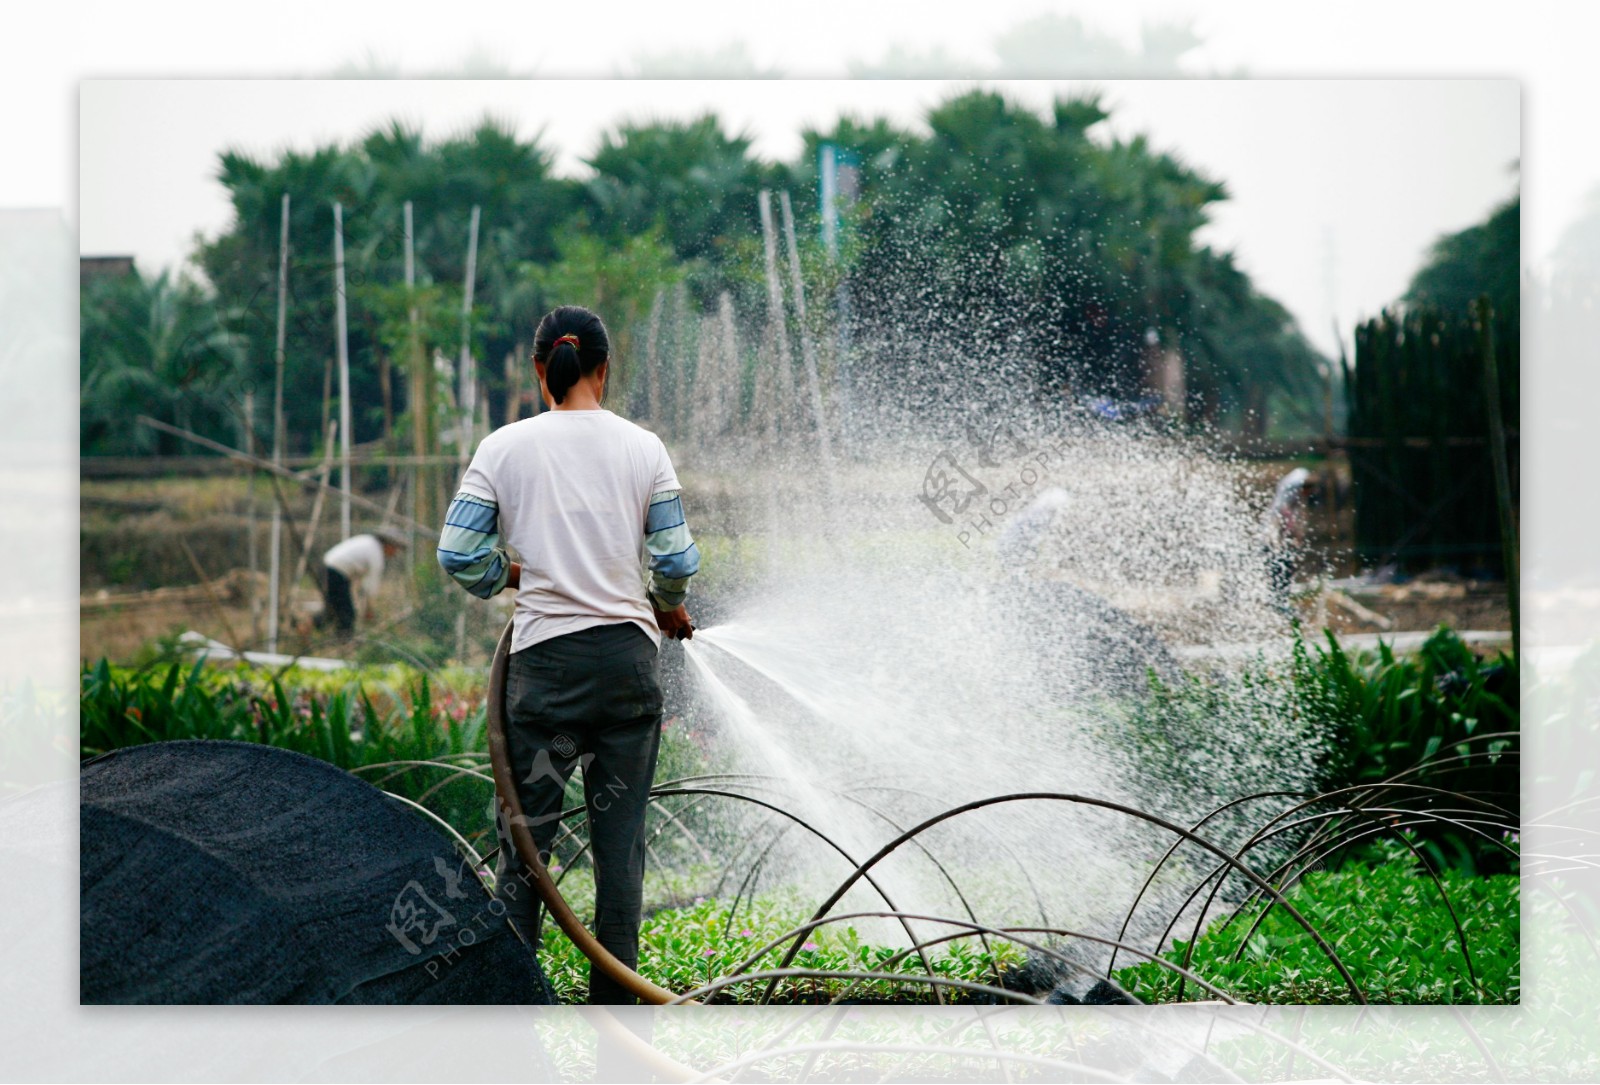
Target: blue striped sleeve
469	546
674	558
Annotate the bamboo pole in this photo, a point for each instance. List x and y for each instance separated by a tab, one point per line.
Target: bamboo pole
681	375
807	353
724	384
776	323
310	537
424	484
415	399
251	547
652	358
513	386
830	199
275	561
469	399
344	369
468	377
1502	471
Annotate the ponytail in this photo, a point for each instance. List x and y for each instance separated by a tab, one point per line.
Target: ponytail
561	368
572	343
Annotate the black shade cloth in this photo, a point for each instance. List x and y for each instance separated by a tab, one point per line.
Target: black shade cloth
230	872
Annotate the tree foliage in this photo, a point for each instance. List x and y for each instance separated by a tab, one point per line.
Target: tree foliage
157	347
1485	258
995	235
1022	246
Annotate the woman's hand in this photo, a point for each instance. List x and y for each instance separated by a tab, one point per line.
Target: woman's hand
674	623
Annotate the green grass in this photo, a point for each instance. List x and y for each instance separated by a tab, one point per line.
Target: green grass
1388	924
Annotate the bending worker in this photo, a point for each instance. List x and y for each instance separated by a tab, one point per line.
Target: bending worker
354	568
587	499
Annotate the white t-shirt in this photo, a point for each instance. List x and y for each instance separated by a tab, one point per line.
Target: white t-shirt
572	489
360	559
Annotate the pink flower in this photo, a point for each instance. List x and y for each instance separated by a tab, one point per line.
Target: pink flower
810	945
708	953
747	933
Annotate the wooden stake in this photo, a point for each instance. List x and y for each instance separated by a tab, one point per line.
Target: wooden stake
222	615
275	561
807	354
344	369
469	378
1502	472
316	515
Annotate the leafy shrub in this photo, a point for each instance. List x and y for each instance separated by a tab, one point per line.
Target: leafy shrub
1442	718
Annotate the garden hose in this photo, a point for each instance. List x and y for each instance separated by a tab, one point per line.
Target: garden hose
511	809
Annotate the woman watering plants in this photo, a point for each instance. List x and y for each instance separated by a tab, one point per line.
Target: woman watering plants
586	499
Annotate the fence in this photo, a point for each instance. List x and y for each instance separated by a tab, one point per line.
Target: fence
1419	439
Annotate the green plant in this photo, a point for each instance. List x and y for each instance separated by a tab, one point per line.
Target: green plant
1441	718
1390	927
686	947
422	736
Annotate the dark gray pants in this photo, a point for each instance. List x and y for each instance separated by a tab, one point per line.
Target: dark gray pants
586	699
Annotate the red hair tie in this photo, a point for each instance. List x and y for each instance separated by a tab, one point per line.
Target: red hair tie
573	339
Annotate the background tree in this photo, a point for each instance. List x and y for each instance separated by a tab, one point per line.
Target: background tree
521	206
1482	259
1006	251
997	251
157	347
687	179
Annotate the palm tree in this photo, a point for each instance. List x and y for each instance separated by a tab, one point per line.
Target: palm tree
157	347
687	177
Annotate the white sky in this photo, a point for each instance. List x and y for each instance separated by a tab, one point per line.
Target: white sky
1338	187
1547	46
